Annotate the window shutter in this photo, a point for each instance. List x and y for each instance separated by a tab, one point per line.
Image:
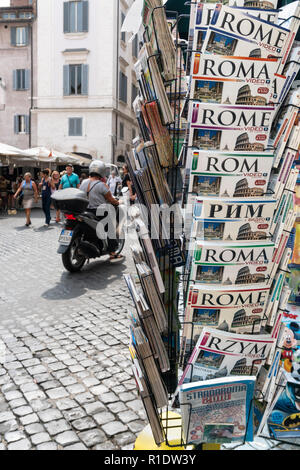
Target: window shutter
13	36
16	124
27	124
66	80
123	87
71	127
26	36
66	17
85	79
15	80
27	80
85	17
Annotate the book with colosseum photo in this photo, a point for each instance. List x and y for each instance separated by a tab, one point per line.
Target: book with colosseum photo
233	32
233	219
202	14
236	309
235	174
229	128
244	81
231	263
220	353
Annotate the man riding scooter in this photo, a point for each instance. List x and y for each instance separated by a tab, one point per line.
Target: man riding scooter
99	194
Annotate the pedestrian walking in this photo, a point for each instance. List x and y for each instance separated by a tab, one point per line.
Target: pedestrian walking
4	184
46	195
55	183
127	183
113	182
83	177
70	179
29	192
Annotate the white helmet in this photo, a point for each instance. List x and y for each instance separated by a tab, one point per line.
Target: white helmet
98	167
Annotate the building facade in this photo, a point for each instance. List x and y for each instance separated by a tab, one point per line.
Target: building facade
85	79
17	33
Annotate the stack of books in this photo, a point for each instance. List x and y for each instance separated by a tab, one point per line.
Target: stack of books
242	143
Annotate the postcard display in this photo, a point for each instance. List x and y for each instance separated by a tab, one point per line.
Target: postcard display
229	125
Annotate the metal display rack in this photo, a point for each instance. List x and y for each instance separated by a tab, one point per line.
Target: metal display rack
171	255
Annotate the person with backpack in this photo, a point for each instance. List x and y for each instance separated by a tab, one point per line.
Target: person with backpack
46	195
28	190
70	179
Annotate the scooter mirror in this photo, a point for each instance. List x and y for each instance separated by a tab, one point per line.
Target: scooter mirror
124	190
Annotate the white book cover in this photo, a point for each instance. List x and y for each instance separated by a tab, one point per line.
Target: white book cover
239	309
225	127
219	354
233	80
254	3
235	33
232	263
282	83
228	174
203	13
231	219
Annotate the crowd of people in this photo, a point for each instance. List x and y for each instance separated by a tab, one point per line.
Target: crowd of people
27	190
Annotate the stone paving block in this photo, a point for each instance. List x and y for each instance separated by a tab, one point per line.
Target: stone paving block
76	447
108	397
66	404
40	438
57	427
22	410
67	438
29	419
104	417
125	439
14	436
47	446
76	389
72	415
92	437
23	444
84	398
83	424
113	428
56	393
117	407
94	407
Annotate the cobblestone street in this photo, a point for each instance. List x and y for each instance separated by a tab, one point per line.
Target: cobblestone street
66	381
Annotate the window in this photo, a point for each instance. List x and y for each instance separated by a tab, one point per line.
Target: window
8	16
76	80
75	126
121	131
21	79
123	88
76	17
133	134
19	36
123	35
134	93
21	124
25	15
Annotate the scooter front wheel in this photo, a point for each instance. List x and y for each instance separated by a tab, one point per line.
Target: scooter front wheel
72	260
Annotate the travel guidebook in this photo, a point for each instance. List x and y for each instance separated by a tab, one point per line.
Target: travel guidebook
218	411
238	309
233	74
228	263
228	174
220	354
225	127
233	219
235	33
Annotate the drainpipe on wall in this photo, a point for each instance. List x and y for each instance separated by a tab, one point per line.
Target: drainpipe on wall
31	85
117	83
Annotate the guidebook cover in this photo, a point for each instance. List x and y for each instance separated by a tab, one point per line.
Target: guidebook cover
218	411
233	219
239	309
228	174
228	263
225	127
233	32
243	81
220	354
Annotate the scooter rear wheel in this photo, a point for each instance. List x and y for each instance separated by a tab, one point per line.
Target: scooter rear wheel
72	261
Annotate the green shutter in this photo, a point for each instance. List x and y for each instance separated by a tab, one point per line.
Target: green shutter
85	79
66	79
66	17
